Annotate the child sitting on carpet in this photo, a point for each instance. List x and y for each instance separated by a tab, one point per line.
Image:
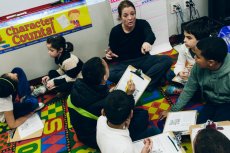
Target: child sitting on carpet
11	85
88	98
193	32
210	74
70	66
112	125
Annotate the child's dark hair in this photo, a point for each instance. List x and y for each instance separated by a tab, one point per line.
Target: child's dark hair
122	5
93	71
118	107
198	28
7	85
213	48
58	42
211	141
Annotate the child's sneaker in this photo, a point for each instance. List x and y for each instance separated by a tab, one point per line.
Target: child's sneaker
39	91
40	106
172	90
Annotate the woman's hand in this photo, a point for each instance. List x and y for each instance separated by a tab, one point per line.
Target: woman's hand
45	79
109	54
146	47
148	146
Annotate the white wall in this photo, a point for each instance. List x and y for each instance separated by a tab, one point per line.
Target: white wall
11	6
88	43
201	5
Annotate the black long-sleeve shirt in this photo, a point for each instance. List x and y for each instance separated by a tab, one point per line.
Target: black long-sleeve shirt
128	45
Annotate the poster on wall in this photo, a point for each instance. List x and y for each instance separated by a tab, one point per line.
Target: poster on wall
155	12
36	27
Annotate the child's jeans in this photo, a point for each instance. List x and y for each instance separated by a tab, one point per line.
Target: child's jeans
23	88
29	103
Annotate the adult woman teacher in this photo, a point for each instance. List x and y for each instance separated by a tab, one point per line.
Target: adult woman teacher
130	43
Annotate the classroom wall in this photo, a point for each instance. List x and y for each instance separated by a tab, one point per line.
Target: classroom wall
201	5
88	43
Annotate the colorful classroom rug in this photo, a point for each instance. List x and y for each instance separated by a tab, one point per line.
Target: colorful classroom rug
59	136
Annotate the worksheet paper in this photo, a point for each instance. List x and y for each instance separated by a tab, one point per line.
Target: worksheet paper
161	144
30	126
180	121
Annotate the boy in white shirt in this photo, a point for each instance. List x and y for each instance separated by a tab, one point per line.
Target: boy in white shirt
112	127
193	32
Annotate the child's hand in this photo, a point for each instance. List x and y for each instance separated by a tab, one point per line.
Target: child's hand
184	75
163	115
148	146
130	87
50	85
45	79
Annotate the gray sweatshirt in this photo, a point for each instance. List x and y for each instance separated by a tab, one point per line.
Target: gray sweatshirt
214	85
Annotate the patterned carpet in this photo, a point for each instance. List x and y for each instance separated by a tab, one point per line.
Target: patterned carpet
58	134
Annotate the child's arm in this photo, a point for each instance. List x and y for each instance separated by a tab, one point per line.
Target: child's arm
12	123
181	61
148	146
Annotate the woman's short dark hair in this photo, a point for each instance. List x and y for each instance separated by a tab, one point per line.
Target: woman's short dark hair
124	4
210	140
93	71
58	42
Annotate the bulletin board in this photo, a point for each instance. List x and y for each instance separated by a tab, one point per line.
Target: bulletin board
30	26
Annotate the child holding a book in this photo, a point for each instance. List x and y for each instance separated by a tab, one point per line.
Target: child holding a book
112	126
193	32
15	84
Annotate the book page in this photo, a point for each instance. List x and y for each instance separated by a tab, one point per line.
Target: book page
180	121
162	143
30	126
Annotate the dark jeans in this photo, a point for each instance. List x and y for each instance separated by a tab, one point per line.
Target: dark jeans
22	109
23	86
29	103
138	127
155	66
64	87
214	112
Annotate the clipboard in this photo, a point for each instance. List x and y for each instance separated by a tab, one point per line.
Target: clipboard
13	135
140	80
195	128
180	121
164	142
